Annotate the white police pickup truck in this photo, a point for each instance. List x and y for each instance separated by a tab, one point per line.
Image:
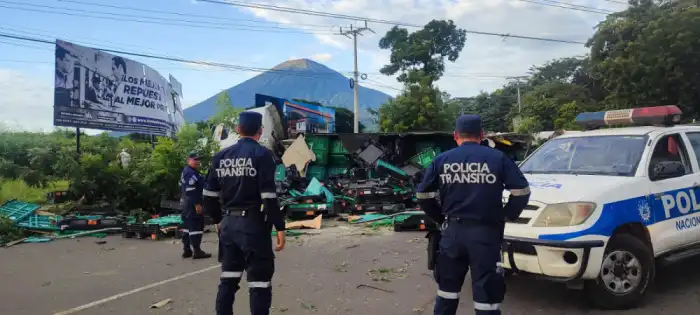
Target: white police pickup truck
607	205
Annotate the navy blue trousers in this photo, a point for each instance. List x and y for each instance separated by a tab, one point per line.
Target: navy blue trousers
463	246
192	232
246	246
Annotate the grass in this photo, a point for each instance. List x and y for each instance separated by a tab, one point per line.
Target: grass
17	189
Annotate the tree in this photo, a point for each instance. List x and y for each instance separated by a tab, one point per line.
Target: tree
420	56
226	114
420	59
554	105
345	121
422	108
649	55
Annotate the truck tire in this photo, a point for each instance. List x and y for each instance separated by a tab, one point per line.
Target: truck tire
627	271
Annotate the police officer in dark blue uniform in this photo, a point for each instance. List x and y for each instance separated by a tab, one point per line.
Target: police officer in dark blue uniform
240	181
191	185
469	181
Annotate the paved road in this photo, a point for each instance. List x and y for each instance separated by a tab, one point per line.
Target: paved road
316	274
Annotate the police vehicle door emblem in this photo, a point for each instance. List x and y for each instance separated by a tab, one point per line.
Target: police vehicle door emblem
644	211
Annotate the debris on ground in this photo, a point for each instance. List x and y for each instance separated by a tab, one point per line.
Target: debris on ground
43	226
373	287
308	224
160	304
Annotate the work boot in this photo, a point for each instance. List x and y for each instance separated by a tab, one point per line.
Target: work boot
187	254
201	255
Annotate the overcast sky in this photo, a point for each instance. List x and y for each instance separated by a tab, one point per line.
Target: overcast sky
263	39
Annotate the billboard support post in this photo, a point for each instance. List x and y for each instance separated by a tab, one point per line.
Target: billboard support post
77	145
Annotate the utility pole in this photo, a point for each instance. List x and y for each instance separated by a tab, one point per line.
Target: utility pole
517	79
354	31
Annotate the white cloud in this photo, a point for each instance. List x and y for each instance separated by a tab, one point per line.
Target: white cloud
322	57
26	104
483	59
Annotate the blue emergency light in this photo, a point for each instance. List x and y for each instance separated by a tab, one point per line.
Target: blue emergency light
657	115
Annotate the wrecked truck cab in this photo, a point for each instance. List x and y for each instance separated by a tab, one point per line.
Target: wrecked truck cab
274	129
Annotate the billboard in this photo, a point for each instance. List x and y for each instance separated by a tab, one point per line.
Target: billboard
97	90
298	114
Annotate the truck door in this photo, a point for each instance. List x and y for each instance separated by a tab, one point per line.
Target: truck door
693	141
671	198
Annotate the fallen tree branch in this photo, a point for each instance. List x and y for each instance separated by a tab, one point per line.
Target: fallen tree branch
373	287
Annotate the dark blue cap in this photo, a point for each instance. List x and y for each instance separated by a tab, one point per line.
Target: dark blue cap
470	124
193	155
249	122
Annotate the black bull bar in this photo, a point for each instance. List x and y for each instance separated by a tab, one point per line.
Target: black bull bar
509	243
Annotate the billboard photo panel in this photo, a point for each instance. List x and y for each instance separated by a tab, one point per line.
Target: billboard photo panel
98	90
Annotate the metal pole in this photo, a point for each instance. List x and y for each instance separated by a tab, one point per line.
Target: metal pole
77	141
356	86
519	104
356	89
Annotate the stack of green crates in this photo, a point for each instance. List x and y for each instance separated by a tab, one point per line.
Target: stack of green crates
319	146
339	161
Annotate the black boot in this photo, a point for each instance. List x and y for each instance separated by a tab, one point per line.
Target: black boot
201	255
187	254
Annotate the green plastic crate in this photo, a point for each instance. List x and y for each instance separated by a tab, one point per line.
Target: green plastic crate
317	171
321	157
319	145
338	148
339	160
17	210
425	157
390	167
280	173
318	142
41	222
422	145
335	171
166	220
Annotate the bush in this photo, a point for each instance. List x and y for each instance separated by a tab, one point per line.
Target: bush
8	231
18	189
32	164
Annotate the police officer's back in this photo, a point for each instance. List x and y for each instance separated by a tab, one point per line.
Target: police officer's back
191	185
469	181
240	181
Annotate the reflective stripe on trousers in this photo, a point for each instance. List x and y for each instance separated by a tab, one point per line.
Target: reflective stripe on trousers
487	307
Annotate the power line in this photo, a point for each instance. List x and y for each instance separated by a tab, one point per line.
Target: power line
191	14
480	76
163	21
42	33
378	21
568	6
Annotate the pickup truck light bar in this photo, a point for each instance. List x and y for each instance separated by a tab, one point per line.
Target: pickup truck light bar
657	115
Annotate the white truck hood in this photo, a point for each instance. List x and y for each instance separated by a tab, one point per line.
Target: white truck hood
555	188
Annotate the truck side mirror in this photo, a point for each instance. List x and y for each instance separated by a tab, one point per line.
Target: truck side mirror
667	169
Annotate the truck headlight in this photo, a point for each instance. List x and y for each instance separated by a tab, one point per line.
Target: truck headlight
564	214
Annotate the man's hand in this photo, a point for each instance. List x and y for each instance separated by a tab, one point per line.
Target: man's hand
198	209
280	241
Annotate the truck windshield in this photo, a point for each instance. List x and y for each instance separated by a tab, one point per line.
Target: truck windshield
595	155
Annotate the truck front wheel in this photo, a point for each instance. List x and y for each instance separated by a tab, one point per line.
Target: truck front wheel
625	274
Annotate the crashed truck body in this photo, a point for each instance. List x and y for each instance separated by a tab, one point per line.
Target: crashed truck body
276	131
